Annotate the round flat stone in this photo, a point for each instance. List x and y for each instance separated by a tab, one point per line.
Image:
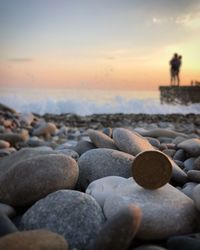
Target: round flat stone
151	169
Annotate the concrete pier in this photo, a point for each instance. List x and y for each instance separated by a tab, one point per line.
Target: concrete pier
180	94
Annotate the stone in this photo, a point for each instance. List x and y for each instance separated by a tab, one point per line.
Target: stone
34	178
33	240
101	140
179	177
160	132
83	146
26	118
118	232
169	152
188	189
14	138
68	152
178	140
6	225
107	131
189	164
183	243
101	188
197	163
45	129
165	211
191	146
194	175
72	214
179	155
7	210
130	142
149	247
4	144
151	169
196	196
102	162
154	142
164	139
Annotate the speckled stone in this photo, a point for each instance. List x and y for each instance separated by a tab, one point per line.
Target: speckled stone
72	214
33	240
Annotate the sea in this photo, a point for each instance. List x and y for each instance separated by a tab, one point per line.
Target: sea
89	101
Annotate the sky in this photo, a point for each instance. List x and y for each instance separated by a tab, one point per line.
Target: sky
101	44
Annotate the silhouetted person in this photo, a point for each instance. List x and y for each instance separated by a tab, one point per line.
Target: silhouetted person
175	64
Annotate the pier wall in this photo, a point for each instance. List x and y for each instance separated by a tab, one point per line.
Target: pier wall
180	94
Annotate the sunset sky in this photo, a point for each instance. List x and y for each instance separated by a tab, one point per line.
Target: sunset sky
104	44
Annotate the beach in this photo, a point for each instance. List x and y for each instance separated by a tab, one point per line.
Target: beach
100	181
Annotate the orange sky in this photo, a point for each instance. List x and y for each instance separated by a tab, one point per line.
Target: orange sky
114	45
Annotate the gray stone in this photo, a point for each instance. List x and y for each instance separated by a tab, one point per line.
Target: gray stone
102	162
179	155
118	232
33	240
197	163
72	214
34	178
189	164
178	140
7	210
14	138
165	211
160	132
196	196
194	175
83	146
164	139
101	140
6	225
4	144
191	146
188	189
130	142
45	129
179	177
169	152
183	243
107	131
154	142
68	152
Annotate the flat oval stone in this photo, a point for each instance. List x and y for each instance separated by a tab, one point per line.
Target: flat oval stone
151	169
130	142
191	146
101	140
160	132
33	239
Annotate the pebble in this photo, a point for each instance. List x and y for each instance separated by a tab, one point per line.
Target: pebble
188	189
45	129
189	164
6	225
102	162
7	210
180	155
4	144
33	240
194	175
52	172
72	214
191	146
118	232
83	146
197	163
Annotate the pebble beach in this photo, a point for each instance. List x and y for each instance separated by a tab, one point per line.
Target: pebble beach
99	182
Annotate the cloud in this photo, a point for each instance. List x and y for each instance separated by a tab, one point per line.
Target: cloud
21	59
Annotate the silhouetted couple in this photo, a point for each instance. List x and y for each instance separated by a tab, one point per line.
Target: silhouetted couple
175	64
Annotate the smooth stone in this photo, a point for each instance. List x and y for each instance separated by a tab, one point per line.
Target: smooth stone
179	155
189	164
101	140
118	232
169	152
149	247
4	144
83	146
35	142
197	163
72	214
188	189
45	129
191	146
130	142
194	175
179	177
68	152
5	152
180	164
14	138
154	142
100	189
196	196
151	169
178	140
33	240
6	225
27	118
102	162
165	211
160	132
107	131
183	243
7	210
36	177
163	139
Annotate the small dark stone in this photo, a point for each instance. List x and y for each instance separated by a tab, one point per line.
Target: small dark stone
183	243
